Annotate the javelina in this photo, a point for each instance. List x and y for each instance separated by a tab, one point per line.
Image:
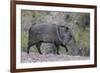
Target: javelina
59	35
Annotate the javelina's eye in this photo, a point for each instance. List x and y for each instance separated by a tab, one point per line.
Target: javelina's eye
67	29
70	36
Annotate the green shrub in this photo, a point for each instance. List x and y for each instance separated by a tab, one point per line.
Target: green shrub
24	40
82	37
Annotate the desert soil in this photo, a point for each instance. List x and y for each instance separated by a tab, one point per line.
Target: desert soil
36	57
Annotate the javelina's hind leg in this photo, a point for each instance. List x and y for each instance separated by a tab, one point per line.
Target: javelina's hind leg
28	48
38	47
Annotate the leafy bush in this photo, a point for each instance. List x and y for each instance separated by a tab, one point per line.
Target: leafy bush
82	37
24	40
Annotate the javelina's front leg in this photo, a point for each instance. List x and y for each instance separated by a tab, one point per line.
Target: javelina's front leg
65	47
57	46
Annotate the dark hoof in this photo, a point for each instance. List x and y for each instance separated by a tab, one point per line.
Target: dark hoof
27	52
40	53
58	54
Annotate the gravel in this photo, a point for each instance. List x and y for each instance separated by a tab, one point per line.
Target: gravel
36	57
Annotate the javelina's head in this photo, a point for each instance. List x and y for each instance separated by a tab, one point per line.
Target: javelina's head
65	35
67	38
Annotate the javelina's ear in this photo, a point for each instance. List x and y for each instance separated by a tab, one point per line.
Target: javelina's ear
64	27
61	25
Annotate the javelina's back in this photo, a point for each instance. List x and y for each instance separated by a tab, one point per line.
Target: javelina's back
43	32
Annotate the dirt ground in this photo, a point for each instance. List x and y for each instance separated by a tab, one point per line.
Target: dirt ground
36	57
